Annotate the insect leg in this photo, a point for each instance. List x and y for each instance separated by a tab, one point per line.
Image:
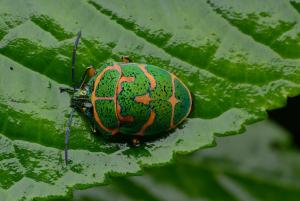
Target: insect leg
90	71
94	128
136	141
66	89
67	135
126	59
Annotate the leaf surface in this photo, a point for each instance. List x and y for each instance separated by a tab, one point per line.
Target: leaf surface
266	169
237	60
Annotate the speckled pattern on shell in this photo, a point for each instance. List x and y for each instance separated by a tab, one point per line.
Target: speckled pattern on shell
137	99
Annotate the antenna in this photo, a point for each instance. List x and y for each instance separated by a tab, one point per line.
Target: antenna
74	57
67	134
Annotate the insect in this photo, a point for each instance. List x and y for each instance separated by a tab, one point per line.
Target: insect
128	99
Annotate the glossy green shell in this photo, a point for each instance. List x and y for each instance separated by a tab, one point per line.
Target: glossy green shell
137	99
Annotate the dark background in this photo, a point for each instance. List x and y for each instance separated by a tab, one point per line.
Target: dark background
289	118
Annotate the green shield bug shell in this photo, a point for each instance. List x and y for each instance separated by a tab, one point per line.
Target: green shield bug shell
137	99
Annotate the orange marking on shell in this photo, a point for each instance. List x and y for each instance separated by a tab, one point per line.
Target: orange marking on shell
94	99
121	118
127	118
173	101
105	98
121	80
148	123
148	75
118	68
145	99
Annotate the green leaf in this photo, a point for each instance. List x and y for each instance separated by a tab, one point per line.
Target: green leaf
255	166
238	61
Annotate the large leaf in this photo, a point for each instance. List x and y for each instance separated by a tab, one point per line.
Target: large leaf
261	169
238	59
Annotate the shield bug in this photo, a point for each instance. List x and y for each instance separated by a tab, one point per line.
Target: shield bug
128	99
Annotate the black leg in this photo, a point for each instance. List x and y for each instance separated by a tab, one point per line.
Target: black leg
126	59
83	78
66	89
94	128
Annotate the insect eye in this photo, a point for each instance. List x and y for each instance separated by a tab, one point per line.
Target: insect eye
83	93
